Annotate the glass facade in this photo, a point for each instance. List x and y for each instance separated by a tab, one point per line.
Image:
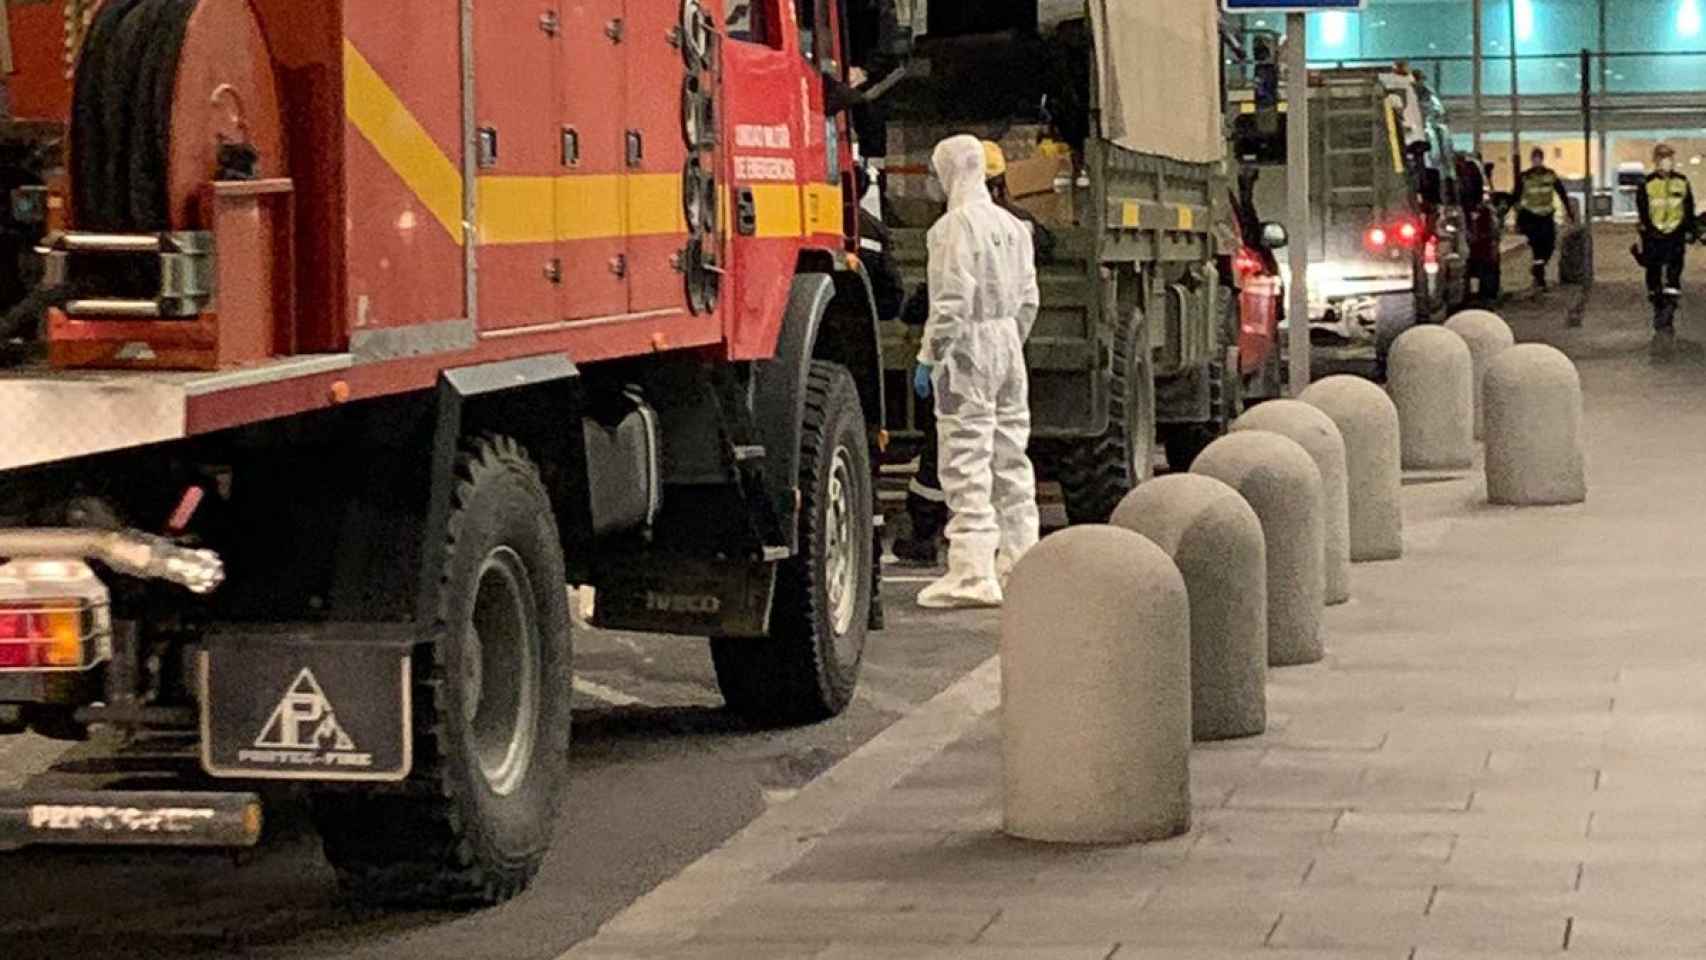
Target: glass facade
1645	46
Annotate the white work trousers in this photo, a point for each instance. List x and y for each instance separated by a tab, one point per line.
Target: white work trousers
983	424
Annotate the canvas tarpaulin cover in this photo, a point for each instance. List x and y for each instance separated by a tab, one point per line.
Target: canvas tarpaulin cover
1159	76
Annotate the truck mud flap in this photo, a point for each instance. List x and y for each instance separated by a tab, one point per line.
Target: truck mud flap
687	596
320	702
125	818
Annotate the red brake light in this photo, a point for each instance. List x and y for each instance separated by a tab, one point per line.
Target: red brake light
1377	237
1407	232
18	635
1247	263
18	626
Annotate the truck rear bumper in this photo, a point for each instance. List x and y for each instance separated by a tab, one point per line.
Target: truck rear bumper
117	818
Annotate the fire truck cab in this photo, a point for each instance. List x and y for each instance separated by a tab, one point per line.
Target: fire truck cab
374	326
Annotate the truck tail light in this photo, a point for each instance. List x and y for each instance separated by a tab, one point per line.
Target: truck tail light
1247	264
1376	239
1408	232
57	635
53	616
1430	256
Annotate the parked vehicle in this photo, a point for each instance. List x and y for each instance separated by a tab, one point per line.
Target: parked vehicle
1129	344
375	326
1388	244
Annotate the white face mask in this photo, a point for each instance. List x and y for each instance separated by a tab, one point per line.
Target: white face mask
1667	165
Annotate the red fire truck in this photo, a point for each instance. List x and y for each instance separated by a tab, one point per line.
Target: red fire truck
374	326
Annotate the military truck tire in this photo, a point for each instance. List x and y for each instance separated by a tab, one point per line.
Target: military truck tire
491	709
806	670
1096	473
1186	442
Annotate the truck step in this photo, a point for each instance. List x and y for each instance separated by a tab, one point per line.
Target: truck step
154	818
748	452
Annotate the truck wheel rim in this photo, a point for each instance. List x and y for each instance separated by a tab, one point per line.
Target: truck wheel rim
502	673
841	554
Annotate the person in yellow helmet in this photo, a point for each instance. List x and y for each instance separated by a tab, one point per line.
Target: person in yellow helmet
1668	224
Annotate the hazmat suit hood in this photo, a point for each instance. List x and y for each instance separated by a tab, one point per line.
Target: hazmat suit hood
959	164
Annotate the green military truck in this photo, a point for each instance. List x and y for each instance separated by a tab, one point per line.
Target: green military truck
1112	129
1388	241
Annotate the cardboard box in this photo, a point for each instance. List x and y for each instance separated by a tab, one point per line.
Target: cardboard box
1029	177
1032	185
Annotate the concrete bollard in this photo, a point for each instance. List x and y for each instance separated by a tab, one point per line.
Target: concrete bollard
1368	423
1283	486
1215	538
1487	335
1319	436
1096	691
1534	428
1432	380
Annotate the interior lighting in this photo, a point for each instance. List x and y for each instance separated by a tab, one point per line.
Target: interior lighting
1525	19
1335	27
1688	18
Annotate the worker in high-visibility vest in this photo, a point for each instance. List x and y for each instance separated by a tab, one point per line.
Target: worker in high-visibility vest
1668	224
1538	191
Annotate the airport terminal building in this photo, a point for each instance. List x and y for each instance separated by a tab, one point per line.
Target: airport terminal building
1646	63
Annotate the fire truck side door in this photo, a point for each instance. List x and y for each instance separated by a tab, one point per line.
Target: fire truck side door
765	78
518	156
591	202
655	153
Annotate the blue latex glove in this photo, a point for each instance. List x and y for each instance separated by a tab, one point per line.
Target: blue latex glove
921	381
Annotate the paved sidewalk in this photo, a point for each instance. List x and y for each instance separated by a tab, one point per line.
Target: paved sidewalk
1503	755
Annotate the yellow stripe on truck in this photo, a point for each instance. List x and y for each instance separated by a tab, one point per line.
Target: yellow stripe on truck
654	205
402	142
1392	135
536	210
823	209
588	208
777	206
518	210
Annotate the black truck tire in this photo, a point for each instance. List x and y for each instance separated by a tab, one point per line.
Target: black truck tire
1096	473
1184	441
806	670
490	758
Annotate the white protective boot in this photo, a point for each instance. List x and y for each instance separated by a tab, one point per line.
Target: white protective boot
969	583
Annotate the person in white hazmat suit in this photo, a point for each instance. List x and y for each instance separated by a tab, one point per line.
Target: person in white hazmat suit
983	303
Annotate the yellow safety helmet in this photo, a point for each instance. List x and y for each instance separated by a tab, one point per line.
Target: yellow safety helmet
994	161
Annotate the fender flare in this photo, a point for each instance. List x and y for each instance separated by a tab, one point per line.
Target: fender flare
821	322
534	399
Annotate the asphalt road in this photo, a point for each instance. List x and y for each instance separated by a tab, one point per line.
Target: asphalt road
662	775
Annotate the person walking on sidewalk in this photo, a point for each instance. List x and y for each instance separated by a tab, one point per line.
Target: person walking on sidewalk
1668	224
1538	191
984	301
926	503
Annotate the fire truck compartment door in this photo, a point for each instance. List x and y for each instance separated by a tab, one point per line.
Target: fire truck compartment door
655	154
519	156
592	212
